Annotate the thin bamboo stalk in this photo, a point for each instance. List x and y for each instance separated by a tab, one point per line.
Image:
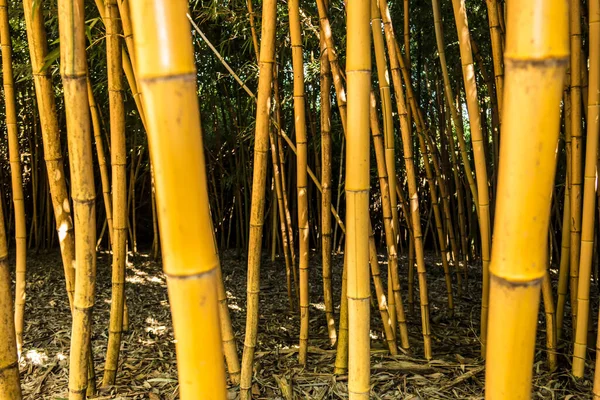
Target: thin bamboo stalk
119	190
15	174
589	195
261	142
10	387
466	55
301	170
326	144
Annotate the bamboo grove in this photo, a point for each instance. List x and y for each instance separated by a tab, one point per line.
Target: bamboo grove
399	162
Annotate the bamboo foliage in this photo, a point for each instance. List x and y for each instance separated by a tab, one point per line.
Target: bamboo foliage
535	60
15	173
190	258
119	190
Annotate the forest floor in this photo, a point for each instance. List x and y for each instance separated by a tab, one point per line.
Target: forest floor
147	364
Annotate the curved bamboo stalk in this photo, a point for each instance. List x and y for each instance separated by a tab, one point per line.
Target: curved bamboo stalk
15	174
466	55
535	59
589	195
190	256
119	190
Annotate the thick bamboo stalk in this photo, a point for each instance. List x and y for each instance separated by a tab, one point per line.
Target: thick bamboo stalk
358	68
535	59
411	175
261	143
15	174
576	154
466	55
10	386
74	74
326	144
301	177
589	194
119	190
190	258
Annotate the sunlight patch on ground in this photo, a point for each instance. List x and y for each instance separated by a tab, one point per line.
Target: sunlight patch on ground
36	357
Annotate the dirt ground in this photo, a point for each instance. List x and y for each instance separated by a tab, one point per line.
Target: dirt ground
147	365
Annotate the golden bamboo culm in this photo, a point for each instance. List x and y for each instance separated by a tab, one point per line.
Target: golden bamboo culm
118	155
10	385
15	173
301	178
358	71
190	258
536	57
261	148
73	67
589	195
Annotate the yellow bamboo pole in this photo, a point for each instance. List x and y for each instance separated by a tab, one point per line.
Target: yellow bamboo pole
388	134
358	69
535	59
497	59
167	77
15	174
390	235
301	178
326	144
589	194
564	270
119	190
38	50
101	159
466	55
261	144
411	175
456	117
576	153
10	387
73	65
